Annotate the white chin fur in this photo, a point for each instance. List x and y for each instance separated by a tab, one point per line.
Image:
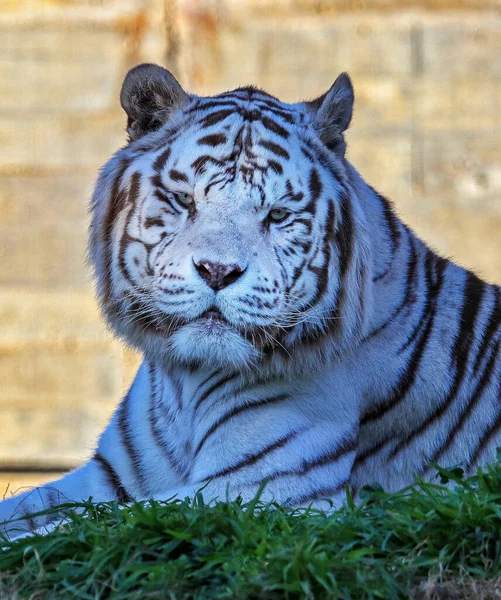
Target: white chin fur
214	345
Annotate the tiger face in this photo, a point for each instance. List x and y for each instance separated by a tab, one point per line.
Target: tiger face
214	230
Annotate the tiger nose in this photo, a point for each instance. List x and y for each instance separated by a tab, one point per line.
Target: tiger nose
216	275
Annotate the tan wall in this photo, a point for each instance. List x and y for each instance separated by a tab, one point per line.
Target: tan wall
426	133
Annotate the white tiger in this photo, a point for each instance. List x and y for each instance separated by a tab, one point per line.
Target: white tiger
294	330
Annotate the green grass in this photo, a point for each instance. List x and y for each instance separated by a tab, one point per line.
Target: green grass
428	541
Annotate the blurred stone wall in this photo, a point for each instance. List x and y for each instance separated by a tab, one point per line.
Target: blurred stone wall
426	133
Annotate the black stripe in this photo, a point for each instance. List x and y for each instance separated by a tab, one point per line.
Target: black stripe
273	126
363	456
322	272
393	227
116	202
202	106
325	492
53	499
473	296
487	436
113	478
409	295
278	113
176	175
216	117
200	163
346	446
428	304
345	234
472	299
214	139
406	381
275	148
178	388
134	189
161	197
251	459
128	440
277	106
276	166
156	432
210	390
315	187
161	159
472	403
308	155
206	380
236	411
153	222
491	328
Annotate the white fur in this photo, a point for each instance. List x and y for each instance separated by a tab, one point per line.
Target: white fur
188	416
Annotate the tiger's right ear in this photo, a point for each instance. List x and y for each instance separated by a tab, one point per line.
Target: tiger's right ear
150	94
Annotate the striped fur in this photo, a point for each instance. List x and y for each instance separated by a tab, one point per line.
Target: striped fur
347	352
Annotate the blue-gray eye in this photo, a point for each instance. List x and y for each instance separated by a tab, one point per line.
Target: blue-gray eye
185	199
277	215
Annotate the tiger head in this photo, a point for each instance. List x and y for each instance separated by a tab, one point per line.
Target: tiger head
226	232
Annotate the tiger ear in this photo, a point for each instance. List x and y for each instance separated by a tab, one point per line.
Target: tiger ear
333	112
149	95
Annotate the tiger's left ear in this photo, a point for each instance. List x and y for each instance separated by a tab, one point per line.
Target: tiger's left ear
149	95
332	113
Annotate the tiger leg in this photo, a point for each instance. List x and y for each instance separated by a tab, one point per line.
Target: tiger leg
20	514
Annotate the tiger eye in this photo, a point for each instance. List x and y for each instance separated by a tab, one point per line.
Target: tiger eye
277	215
185	199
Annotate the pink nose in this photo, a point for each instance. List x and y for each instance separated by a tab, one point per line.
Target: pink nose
216	275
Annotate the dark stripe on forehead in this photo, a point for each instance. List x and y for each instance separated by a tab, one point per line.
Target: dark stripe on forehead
275	148
200	163
216	117
214	139
224	103
161	159
178	176
276	110
249	91
273	126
